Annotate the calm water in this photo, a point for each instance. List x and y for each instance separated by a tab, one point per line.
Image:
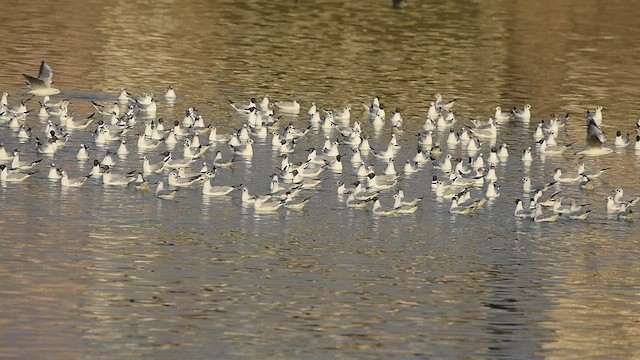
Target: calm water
101	272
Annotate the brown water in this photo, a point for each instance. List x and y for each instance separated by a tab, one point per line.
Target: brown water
102	272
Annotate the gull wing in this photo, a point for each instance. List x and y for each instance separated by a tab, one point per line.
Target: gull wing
595	136
46	73
34	83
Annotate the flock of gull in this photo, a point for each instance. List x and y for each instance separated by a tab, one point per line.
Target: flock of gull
185	153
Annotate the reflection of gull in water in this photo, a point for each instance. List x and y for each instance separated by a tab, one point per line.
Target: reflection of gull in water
41	86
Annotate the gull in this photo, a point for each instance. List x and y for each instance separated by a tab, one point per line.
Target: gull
245	109
24	133
590	174
334	164
538	134
625	213
620	198
83	153
313	110
463	209
580	216
117	179
170	94
596	116
148	108
141	184
379	183
474	145
442	104
16	164
557	177
292	107
70	124
146	143
145	99
41	86
20	110
65	181
452	139
373	107
342	188
612	205
124	96
48	147
522	115
248	199
165	194
396	118
263	106
586	183
447	119
488	131
491	173
182	172
561	208
15	176
500	116
219	163
245	150
263	207
413	202
402	208
176	181
108	160
426	139
352	202
621	141
43	113
107	110
445	166
54	172
546	201
215	137
4	155
290	203
410	167
360	193
211	190
520	211
344	115
540	217
526	185
379	210
54	106
97	169
122	150
546	149
595	140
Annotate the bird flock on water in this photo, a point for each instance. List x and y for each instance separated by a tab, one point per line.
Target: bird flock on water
187	153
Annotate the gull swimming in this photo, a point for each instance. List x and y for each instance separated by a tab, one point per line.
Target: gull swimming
14	176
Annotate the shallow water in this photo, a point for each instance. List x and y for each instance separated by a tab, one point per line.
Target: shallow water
106	272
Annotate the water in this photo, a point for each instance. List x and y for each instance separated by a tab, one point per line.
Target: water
101	272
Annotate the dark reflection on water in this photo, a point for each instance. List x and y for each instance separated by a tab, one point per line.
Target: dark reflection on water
106	272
